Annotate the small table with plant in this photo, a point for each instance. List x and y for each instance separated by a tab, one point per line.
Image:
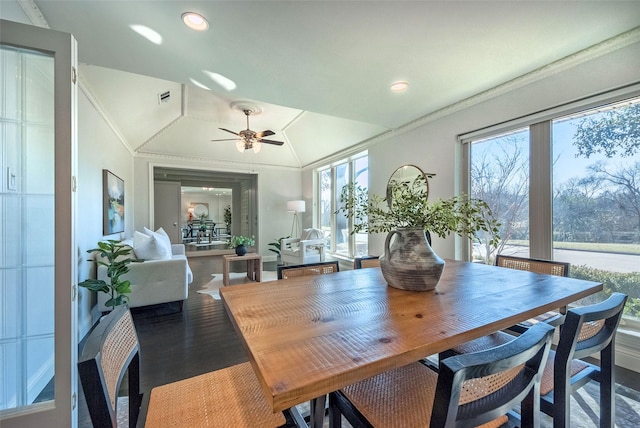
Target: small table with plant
254	266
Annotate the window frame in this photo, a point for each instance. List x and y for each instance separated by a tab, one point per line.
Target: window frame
350	161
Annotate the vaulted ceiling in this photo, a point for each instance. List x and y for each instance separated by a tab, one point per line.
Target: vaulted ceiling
320	71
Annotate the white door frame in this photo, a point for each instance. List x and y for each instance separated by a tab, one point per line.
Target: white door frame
62	411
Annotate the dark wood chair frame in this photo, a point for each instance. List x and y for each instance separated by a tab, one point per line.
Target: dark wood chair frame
98	347
531	349
366	262
334	263
557	402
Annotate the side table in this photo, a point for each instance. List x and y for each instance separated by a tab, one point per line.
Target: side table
254	266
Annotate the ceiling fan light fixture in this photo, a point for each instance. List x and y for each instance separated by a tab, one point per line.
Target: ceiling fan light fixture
195	21
399	86
240	145
257	146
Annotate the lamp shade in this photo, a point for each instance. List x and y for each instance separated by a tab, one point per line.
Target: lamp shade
296	206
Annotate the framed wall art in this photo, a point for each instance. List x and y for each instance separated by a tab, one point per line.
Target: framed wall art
113	203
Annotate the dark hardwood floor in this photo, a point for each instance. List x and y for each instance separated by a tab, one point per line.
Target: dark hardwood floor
176	345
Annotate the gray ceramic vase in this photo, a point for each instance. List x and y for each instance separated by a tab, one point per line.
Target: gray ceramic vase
409	262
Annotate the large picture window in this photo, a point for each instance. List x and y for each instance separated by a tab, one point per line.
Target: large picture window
582	173
336	225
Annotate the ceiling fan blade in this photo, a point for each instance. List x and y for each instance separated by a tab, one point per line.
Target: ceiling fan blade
224	129
227	139
265	133
277	143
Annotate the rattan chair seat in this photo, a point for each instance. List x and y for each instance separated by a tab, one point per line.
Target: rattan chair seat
229	397
408	393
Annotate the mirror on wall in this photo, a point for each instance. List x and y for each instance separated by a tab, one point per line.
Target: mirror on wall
407	179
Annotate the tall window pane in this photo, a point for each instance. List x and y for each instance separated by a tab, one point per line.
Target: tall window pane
336	225
325	193
342	226
500	177
361	178
596	203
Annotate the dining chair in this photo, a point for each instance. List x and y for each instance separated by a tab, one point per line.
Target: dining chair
586	331
549	267
230	397
366	262
110	351
476	389
320	268
553	318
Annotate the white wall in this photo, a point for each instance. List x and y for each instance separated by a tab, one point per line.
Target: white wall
98	149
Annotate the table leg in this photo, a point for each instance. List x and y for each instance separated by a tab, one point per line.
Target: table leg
225	272
317	407
259	269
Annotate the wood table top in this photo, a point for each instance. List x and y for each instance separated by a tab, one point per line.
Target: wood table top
308	336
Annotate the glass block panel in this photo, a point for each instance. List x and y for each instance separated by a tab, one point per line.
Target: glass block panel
40	365
10	298
10	373
39	151
11	228
39	105
39	283
10	107
38	232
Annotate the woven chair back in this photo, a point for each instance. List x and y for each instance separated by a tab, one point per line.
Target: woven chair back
548	267
321	268
366	262
110	351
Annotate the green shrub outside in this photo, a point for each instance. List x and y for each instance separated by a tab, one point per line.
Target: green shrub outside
628	283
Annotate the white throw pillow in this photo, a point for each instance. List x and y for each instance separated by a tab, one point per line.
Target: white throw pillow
150	247
311	233
162	236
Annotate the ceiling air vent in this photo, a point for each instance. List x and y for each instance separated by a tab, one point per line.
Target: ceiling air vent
164	97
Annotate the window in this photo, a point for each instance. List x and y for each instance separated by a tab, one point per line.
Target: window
568	188
336	226
500	177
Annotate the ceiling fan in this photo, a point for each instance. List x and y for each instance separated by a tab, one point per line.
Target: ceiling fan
250	139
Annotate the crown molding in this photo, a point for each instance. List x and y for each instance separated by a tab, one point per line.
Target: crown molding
33	12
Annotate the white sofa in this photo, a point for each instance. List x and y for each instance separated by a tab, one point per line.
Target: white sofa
154	281
309	248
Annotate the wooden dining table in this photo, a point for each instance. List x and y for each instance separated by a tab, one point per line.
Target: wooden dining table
308	336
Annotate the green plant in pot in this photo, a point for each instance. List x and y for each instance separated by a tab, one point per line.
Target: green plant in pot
117	261
240	243
405	214
277	247
227	217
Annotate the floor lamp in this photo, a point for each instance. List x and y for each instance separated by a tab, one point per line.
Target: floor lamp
296	207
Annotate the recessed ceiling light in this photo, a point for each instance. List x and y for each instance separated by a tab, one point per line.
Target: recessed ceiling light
399	86
195	21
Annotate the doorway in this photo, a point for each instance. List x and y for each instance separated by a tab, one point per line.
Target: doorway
226	201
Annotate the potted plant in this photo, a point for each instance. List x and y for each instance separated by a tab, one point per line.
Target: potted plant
277	247
117	265
240	243
227	217
409	262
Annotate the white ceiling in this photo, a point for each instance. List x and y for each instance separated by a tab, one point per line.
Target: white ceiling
320	70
